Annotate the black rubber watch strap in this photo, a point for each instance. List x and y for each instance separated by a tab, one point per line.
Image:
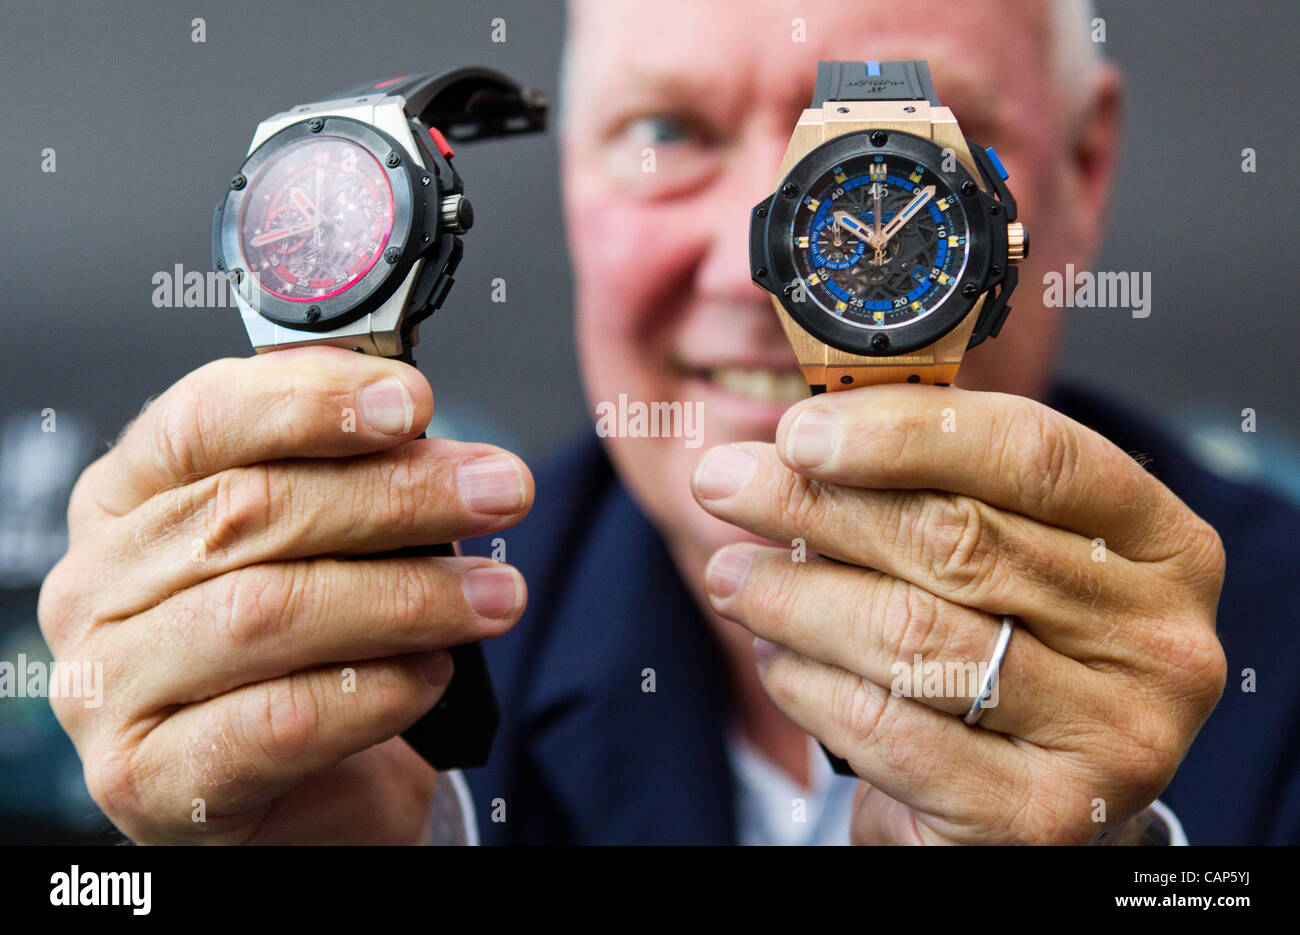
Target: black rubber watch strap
874	81
457	733
465	103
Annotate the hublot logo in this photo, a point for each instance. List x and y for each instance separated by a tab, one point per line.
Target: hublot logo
876	85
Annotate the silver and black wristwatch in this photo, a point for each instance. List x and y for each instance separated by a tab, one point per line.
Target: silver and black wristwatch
343	227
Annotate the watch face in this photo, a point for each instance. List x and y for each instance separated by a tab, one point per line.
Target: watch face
315	219
879	241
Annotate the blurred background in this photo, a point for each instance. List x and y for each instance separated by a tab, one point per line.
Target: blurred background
147	127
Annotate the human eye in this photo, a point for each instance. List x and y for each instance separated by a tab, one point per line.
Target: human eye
662	153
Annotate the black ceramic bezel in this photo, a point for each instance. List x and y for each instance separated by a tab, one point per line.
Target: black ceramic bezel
772	252
406	235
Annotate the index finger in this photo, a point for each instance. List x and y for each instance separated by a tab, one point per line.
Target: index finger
315	402
1007	451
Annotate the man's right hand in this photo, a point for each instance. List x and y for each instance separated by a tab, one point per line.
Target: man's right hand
249	660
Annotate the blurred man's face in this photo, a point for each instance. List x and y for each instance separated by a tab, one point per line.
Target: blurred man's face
666	308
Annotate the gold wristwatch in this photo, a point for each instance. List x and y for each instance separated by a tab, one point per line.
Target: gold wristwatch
891	242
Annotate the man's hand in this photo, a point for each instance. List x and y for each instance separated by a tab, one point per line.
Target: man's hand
926	538
256	673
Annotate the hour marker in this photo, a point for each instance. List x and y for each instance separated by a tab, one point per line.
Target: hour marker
814	279
877	171
954	241
801	242
878	316
914	177
943	279
916	306
840	177
811	204
841	306
942	204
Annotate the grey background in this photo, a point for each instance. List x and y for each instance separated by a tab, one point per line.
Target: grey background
148	126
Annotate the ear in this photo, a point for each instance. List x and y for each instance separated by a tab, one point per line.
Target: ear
1094	151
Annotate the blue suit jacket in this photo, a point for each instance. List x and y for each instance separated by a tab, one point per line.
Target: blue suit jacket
586	756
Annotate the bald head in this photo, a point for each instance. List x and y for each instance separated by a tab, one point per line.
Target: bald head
1071	61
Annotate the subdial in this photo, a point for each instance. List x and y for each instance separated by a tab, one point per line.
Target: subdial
286	229
837	249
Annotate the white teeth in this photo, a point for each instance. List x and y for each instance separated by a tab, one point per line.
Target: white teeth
769	386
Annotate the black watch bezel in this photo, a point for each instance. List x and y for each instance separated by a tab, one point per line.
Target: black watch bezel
412	198
772	264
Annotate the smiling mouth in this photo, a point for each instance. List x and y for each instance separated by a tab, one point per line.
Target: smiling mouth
768	385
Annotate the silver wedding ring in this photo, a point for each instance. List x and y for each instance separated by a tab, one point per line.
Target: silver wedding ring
990	680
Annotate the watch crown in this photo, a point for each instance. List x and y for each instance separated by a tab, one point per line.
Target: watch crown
457	214
1017	242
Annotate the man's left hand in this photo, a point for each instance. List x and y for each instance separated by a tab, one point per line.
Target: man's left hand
934	512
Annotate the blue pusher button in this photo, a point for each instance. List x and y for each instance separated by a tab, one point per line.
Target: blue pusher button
997	163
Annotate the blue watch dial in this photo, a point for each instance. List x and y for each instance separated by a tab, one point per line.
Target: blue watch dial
879	241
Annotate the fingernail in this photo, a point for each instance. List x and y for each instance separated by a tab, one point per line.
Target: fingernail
724	471
436	668
493	590
763	651
491	484
727	571
811	440
387	407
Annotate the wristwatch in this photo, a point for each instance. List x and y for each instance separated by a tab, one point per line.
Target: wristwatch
890	244
342	227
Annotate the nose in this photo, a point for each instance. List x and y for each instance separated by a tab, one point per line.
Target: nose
750	175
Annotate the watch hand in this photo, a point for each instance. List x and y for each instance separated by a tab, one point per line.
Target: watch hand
902	217
855	227
307	206
875	191
280	234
